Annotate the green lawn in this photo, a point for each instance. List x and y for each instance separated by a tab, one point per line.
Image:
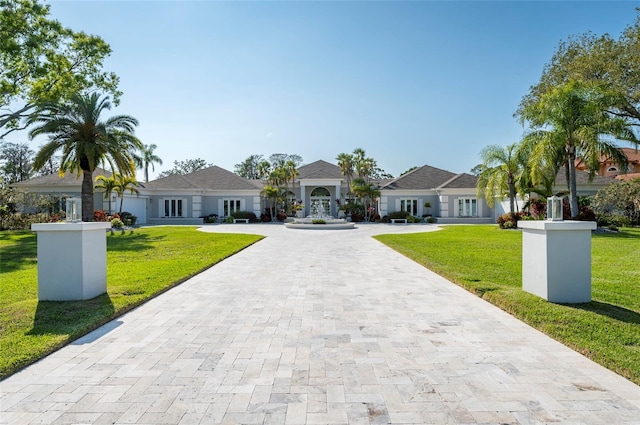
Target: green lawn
140	265
488	262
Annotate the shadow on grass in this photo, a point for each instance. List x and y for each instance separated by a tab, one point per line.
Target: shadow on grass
73	318
131	241
22	252
613	311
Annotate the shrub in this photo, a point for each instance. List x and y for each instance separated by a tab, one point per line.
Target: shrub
508	220
116	223
251	216
100	215
399	214
211	218
128	218
414	219
265	218
318	221
281	216
384	219
430	219
357	217
538	208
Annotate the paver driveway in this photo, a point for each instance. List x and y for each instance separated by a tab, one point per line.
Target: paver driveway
317	327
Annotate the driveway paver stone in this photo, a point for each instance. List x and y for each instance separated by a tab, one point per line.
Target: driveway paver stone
317	327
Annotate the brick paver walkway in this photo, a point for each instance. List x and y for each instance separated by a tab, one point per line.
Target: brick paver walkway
317	327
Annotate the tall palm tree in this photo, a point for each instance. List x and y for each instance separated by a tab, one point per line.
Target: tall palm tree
108	184
572	122
123	184
148	158
345	162
500	171
86	141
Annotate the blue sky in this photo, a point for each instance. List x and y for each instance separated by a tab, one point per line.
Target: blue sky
411	83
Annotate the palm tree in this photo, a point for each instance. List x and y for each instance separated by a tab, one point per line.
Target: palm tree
291	172
123	184
108	184
264	168
345	162
571	122
500	171
148	158
271	193
75	128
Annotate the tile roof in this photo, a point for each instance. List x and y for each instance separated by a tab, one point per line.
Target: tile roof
320	170
69	179
425	177
628	176
212	178
633	156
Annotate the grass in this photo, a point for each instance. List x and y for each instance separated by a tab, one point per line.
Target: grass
488	262
140	265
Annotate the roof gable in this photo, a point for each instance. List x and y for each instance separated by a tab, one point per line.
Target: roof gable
425	177
460	181
319	170
211	178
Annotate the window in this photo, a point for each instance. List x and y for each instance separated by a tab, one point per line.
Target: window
230	206
409	205
173	207
467	207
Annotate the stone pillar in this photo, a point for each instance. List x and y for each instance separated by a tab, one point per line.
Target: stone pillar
556	260
304	201
72	260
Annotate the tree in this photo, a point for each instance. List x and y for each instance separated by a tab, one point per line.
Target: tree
279	159
148	158
264	168
500	171
250	167
108	184
409	170
123	184
41	62
16	162
76	129
271	193
185	167
621	198
345	162
362	186
613	64
569	122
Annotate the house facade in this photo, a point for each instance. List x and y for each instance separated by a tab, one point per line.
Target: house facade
609	168
185	199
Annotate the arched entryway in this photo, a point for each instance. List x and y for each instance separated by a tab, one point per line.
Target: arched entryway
320	198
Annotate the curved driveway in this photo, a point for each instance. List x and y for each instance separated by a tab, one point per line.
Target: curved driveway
317	327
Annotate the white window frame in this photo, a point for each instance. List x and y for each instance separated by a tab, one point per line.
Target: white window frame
410	205
468	207
173	207
231	205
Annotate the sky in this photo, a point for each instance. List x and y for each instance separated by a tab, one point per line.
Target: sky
412	83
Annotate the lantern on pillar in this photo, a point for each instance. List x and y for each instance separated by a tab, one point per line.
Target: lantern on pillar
554	208
74	210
